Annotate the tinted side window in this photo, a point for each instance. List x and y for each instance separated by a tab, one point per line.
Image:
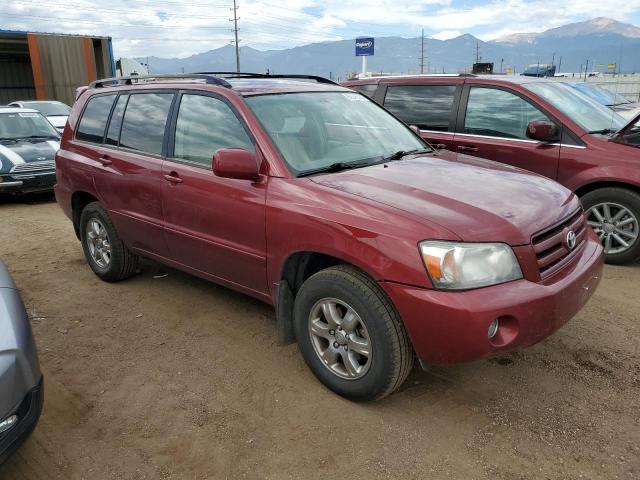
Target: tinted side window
368	90
206	124
426	106
94	119
498	113
144	121
113	134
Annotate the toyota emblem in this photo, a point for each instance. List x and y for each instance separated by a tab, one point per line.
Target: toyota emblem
571	239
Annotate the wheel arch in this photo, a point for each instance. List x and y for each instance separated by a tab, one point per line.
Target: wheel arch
79	200
591	186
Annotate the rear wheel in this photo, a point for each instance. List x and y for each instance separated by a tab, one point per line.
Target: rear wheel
108	257
614	214
350	335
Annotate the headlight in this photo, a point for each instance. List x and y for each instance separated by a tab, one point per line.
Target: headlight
461	266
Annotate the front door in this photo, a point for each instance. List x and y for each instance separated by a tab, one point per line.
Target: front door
213	225
494	126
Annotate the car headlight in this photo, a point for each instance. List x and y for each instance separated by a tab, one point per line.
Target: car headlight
461	266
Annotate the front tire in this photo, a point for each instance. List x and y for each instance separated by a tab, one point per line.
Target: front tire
106	254
614	214
350	335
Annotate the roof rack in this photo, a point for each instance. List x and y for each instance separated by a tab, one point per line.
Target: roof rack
208	78
318	79
420	75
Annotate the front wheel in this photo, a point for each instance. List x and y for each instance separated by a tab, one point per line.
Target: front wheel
614	214
350	335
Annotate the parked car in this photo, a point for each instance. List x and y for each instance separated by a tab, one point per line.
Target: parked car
28	144
538	124
310	197
56	112
616	102
21	384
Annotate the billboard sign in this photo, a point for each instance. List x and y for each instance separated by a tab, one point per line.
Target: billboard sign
364	46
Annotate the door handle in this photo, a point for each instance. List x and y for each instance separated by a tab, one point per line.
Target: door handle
105	160
440	146
173	178
465	148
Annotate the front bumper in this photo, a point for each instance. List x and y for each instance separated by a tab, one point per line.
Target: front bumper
451	327
28	414
31	183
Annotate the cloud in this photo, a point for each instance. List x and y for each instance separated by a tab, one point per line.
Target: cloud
447	34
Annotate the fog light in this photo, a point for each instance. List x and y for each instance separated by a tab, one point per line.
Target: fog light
8	423
493	329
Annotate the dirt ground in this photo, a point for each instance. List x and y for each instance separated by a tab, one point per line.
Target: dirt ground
177	378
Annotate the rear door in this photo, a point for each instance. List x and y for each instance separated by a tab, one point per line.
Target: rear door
493	123
213	225
129	168
431	107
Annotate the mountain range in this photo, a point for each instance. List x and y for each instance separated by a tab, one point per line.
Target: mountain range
601	41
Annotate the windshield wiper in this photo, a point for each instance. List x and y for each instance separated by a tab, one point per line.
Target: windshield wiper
604	131
335	167
403	153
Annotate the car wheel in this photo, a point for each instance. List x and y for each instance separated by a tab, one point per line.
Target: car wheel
614	214
350	335
107	256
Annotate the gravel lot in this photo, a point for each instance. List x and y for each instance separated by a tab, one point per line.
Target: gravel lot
179	378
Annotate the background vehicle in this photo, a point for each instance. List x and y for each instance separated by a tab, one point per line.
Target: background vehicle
56	112
616	102
21	389
538	124
314	199
28	143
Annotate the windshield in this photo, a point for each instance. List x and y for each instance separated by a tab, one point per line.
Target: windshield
25	125
587	113
49	109
316	130
600	95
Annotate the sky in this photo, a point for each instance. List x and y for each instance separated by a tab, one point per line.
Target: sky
171	28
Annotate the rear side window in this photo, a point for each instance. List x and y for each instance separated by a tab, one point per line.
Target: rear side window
206	124
368	90
144	123
426	106
113	134
94	119
498	113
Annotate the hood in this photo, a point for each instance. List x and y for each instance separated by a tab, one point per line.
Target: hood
58	121
5	277
478	200
25	151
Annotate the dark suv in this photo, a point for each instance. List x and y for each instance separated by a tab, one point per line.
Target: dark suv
314	199
539	124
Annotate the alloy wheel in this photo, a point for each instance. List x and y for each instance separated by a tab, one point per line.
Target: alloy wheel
98	243
616	225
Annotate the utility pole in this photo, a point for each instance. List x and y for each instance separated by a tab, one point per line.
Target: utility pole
501	62
559	63
235	31
422	53
553	59
477	51
586	69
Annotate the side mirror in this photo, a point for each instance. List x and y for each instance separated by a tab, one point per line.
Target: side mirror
235	163
415	129
543	131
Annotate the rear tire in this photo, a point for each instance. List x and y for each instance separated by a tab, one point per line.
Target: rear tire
614	213
368	355
106	254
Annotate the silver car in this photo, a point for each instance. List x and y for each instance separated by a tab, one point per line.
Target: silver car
21	388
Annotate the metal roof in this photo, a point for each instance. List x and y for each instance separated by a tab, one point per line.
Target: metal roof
25	32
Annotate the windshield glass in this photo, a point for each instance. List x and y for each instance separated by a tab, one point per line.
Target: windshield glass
600	95
25	125
585	112
316	130
49	109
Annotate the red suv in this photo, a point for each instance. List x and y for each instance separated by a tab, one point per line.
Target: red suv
538	124
314	199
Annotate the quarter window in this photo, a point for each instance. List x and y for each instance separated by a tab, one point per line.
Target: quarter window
113	134
94	119
425	106
206	124
498	113
144	122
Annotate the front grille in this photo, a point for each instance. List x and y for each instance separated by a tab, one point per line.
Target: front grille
550	245
34	166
